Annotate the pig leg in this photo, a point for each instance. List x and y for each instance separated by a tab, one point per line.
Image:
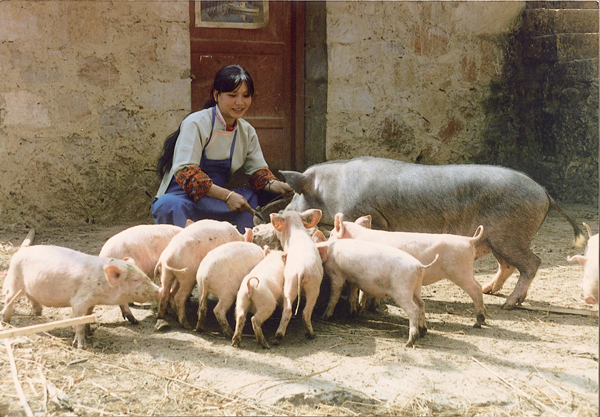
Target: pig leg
352	299
35	305
185	289
167	277
241	310
422	322
337	284
202	307
127	314
311	299
220	311
412	310
527	263
505	270
9	302
257	321
88	327
473	288
290	294
80	310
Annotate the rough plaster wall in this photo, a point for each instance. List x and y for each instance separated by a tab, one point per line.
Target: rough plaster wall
89	91
405	78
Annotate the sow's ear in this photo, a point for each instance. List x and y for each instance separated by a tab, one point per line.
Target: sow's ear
113	274
299	182
311	217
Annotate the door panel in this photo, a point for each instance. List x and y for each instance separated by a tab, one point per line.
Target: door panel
274	56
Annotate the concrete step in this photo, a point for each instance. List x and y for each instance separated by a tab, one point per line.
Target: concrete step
554	21
561	47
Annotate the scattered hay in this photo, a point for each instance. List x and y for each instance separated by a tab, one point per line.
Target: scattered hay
60	380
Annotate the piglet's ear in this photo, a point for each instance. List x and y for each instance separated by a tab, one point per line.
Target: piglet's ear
338	225
248	235
277	221
323	248
579	258
318	237
129	260
311	217
113	273
266	250
364	221
188	222
284	257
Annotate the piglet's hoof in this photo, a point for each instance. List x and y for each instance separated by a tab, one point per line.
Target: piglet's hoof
161	325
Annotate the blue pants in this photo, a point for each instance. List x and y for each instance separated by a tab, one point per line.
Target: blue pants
176	207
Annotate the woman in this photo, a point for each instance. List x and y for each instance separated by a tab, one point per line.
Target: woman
209	146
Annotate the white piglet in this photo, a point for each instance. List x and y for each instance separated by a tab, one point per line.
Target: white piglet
589	260
143	244
220	273
54	276
380	271
260	293
457	254
303	270
179	262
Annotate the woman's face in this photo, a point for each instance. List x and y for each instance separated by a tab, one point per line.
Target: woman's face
233	104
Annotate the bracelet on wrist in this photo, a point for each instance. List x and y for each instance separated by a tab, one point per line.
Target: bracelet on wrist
228	195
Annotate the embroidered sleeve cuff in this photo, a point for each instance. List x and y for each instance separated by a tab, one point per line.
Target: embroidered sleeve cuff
260	178
195	182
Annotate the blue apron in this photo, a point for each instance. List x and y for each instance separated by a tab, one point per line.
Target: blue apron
176	206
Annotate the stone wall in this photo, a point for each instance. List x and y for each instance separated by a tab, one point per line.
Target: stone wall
542	114
436	82
89	91
406	78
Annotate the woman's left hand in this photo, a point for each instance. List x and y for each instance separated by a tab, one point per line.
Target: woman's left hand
279	187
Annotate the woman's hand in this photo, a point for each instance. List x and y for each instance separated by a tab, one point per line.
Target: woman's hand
278	187
237	202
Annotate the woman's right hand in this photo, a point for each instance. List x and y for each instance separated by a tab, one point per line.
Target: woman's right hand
237	202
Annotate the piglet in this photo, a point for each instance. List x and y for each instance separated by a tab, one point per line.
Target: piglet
54	276
220	273
178	263
303	270
589	260
143	244
260	293
380	271
457	254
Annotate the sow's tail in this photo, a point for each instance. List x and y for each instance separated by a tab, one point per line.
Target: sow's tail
579	239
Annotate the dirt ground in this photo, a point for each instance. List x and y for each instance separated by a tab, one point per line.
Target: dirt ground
524	362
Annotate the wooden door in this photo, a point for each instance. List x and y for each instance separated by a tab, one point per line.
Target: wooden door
272	54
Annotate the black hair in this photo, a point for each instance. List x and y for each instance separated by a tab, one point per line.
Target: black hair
227	79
